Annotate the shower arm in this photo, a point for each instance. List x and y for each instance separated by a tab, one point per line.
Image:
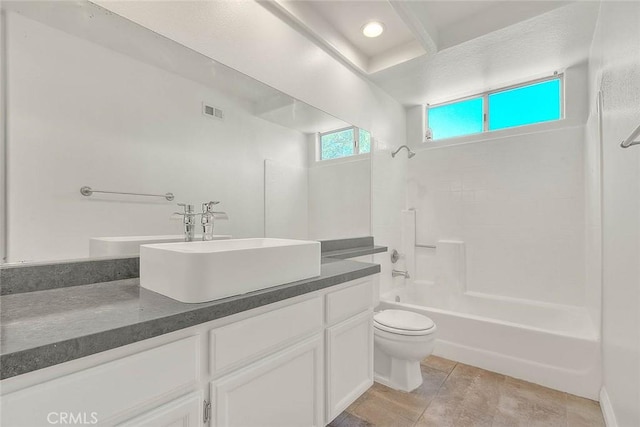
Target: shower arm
410	153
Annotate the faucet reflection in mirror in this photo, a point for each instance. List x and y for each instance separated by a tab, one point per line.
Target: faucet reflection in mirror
207	217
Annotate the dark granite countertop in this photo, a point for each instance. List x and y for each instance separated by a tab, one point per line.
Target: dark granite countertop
354	252
44	328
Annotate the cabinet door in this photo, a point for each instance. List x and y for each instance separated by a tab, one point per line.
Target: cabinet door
283	390
349	362
183	412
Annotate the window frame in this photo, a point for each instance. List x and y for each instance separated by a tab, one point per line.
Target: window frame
356	143
485	105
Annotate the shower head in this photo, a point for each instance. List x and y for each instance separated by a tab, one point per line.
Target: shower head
410	153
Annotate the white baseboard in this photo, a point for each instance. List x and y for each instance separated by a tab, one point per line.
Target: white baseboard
607	409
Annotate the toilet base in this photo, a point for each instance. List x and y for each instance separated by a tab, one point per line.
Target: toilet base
399	374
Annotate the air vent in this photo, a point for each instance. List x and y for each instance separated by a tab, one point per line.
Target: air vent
213	112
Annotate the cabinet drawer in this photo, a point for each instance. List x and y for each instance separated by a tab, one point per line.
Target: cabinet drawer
107	390
183	412
347	302
235	344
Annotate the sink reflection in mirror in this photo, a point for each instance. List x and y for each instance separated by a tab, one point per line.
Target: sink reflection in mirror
130	245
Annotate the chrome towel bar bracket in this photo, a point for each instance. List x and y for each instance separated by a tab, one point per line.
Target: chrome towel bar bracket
88	191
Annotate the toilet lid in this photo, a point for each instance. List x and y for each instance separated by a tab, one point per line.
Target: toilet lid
403	321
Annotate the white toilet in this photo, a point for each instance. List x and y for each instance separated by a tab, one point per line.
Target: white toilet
401	340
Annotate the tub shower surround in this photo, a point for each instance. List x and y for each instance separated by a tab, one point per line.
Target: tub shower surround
288	344
554	345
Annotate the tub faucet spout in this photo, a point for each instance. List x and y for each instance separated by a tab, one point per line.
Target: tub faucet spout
396	273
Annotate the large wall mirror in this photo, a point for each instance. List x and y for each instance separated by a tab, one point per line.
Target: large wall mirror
94	100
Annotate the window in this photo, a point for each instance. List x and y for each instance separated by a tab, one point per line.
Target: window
457	119
526	104
344	142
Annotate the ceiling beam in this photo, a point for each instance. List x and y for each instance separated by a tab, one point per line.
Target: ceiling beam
428	37
300	16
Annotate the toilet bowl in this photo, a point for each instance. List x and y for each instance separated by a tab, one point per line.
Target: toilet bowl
401	340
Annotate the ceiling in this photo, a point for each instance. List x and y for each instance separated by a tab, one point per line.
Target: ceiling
526	50
435	47
348	17
454	22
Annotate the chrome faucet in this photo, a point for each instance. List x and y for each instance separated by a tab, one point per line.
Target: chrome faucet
396	273
189	221
208	216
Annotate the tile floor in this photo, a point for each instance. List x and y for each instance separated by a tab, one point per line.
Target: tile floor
456	395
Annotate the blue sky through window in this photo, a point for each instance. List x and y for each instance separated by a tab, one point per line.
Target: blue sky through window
536	103
456	119
520	106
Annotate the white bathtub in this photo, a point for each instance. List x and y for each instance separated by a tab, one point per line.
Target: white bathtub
552	345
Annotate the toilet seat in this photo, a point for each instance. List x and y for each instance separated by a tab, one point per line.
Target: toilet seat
403	322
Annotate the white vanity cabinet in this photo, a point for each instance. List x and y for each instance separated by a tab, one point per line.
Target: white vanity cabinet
297	362
283	390
349	346
105	393
186	411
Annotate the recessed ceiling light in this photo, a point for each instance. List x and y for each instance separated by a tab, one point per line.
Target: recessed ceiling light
373	29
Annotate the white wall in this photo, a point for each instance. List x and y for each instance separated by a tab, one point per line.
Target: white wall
247	37
516	199
80	114
615	59
286	201
340	199
389	193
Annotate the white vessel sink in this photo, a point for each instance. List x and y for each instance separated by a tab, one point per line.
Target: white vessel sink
205	271
130	245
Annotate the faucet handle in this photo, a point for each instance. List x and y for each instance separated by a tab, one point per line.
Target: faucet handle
220	215
208	207
188	209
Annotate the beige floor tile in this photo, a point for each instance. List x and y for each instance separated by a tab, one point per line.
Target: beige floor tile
513	407
469	397
442	412
432	380
431	420
408	405
530	404
583	412
467	419
501	419
348	420
535	392
459	395
548	415
462	370
357	402
439	363
382	413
